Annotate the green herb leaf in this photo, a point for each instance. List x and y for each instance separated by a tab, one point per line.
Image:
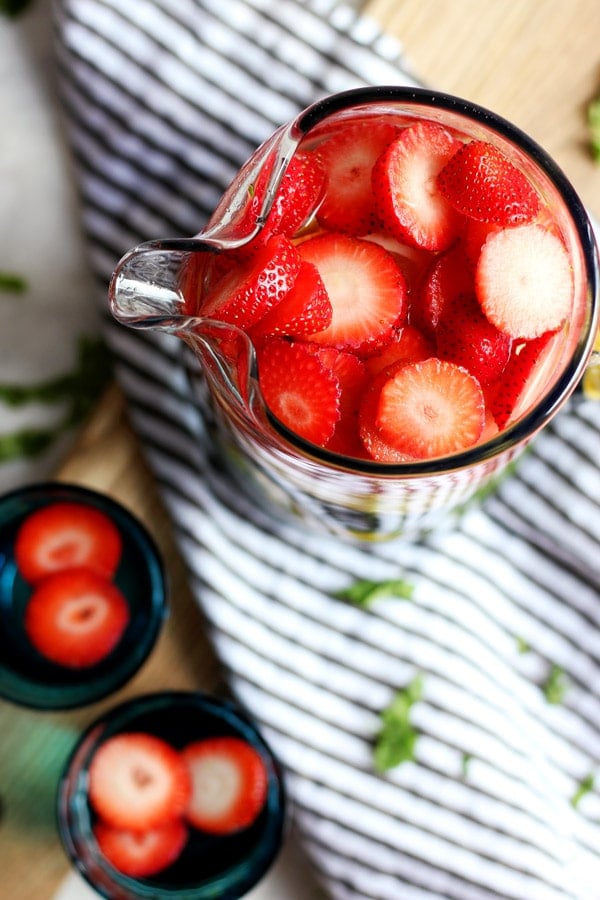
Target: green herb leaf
26	443
13	7
12	284
555	685
594	128
522	645
585	786
79	388
397	738
465	763
363	591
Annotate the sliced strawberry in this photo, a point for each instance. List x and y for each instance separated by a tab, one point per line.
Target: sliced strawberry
524	379
366	289
450	275
412	262
407	198
523	281
141	853
349	156
298	389
229	784
245	289
430	408
407	344
298	194
138	781
76	618
304	310
466	337
351	374
481	182
65	535
475	236
377	448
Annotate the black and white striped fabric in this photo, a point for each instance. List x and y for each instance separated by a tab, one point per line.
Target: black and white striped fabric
165	99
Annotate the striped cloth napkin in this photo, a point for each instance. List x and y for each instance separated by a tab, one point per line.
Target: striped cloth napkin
501	798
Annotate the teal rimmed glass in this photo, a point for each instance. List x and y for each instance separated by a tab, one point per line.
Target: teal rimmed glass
210	866
26	677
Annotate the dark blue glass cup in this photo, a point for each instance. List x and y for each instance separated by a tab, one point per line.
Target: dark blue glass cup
26	676
210	866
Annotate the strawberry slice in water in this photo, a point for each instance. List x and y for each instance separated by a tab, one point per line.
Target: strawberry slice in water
407	344
349	156
75	618
300	391
352	377
524	379
366	289
229	784
244	289
482	183
466	337
137	781
449	275
140	854
523	281
430	408
304	310
408	201
65	535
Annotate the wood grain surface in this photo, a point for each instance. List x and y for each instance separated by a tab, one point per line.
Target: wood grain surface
536	62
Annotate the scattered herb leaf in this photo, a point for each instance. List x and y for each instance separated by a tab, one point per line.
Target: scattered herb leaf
522	645
584	787
13	7
465	763
397	738
363	591
79	388
555	685
12	283
594	128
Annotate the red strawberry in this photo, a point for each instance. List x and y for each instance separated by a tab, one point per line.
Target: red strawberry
304	309
141	853
298	389
475	236
365	287
528	371
298	194
407	344
349	156
63	535
351	374
229	784
245	289
450	275
411	261
378	449
464	336
407	199
137	781
75	617
523	281
430	408
481	182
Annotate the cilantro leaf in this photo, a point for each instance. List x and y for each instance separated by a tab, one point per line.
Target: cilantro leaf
522	645
11	283
79	388
363	591
584	787
593	117
397	738
555	685
465	763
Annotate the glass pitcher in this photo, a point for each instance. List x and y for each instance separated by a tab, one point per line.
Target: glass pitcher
357	498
